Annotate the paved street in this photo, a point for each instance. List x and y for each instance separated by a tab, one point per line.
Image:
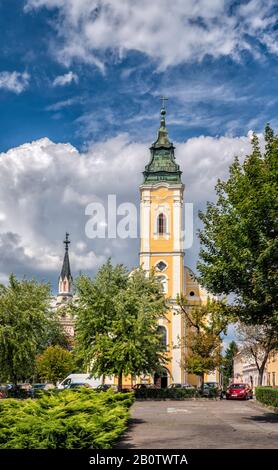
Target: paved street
201	424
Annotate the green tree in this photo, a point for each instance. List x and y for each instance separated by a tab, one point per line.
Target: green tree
24	307
239	248
116	322
54	335
228	363
54	364
205	324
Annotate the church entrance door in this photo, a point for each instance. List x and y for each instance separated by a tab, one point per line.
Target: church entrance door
161	380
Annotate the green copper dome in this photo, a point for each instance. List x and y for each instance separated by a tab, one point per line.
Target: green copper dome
162	165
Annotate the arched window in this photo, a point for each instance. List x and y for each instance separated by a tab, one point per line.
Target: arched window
163	332
161	224
164	283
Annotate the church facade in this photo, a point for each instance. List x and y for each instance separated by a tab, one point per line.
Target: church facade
161	249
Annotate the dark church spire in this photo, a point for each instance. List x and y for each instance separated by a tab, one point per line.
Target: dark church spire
65	273
65	279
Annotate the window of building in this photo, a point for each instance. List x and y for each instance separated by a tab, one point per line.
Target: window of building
161	224
192	293
268	378
273	379
164	283
163	332
161	265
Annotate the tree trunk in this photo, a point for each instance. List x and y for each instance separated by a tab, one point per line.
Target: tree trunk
120	381
261	369
202	377
260	377
14	380
14	386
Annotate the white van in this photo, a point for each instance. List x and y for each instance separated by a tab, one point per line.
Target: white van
80	379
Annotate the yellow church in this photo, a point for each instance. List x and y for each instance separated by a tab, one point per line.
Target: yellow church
161	248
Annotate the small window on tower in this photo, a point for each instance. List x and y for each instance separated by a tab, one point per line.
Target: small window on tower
192	293
161	224
164	284
161	266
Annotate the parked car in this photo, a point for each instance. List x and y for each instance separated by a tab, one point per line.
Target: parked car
39	386
79	378
4	390
23	390
139	387
239	391
143	386
210	390
213	385
25	386
178	385
77	385
105	387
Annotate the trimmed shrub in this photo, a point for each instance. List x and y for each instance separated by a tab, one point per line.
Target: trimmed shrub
79	419
267	396
164	393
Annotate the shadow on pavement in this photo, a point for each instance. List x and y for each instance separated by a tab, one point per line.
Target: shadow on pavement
267	417
125	440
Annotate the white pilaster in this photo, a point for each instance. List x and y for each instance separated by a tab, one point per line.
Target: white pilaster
145	219
176	350
177	219
176	321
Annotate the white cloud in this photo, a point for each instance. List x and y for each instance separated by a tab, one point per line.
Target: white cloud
65	79
16	82
45	187
62	104
169	31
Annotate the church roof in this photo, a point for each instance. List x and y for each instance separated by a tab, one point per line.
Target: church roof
162	165
66	272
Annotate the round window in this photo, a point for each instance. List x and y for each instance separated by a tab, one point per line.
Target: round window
192	293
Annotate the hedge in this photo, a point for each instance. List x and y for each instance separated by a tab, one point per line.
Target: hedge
79	419
164	393
267	396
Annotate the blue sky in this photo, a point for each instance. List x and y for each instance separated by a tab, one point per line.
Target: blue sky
223	95
80	82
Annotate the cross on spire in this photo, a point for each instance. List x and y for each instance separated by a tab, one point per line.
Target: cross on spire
67	241
163	99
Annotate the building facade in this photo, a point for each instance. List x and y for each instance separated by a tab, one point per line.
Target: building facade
245	371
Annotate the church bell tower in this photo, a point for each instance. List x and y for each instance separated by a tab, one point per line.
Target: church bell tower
161	238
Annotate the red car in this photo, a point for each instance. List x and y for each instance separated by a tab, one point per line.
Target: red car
239	391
